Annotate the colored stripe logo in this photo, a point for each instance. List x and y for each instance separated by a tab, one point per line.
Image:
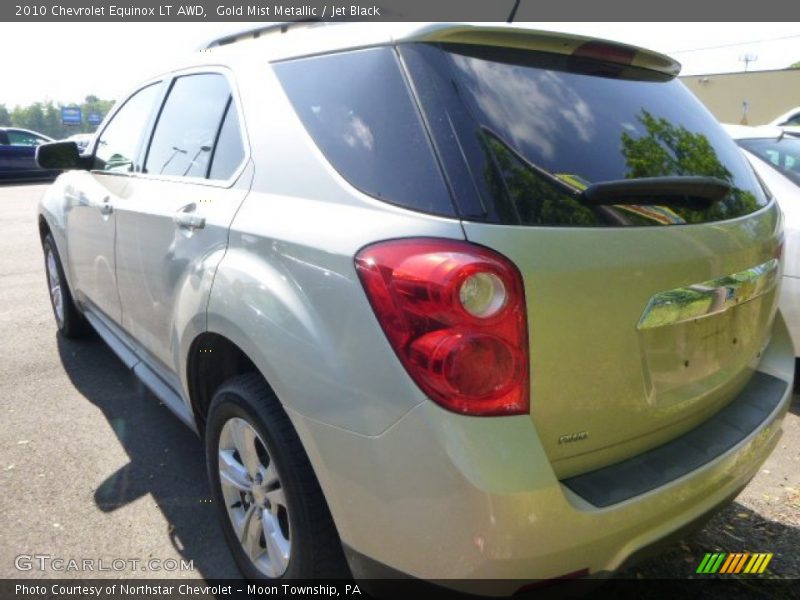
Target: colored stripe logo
734	563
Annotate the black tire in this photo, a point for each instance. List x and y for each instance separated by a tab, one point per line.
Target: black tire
71	323
316	551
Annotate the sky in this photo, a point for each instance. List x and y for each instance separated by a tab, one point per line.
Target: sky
65	62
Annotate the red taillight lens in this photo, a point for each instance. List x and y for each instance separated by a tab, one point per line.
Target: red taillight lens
454	313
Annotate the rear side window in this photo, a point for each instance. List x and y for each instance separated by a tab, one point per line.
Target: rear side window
783	154
184	136
358	109
118	144
538	128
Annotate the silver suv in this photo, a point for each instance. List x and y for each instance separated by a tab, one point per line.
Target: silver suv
448	301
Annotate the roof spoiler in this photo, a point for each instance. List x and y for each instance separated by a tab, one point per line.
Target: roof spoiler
502	36
556	43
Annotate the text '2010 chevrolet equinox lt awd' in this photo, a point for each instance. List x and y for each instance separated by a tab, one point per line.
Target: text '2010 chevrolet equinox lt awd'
460	302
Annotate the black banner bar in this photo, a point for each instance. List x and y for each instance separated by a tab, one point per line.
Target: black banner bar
730	588
393	10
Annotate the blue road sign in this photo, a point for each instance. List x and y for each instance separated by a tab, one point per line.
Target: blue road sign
71	115
95	118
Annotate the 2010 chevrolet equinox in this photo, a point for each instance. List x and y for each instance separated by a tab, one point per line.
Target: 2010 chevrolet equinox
463	302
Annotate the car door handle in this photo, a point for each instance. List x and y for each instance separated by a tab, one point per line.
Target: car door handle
106	208
185	219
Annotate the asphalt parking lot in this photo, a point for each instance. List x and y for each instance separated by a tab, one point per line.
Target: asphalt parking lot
93	467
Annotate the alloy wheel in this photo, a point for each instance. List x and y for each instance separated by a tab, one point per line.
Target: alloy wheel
254	496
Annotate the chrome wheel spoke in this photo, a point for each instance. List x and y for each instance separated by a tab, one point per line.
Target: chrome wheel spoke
278	547
232	473
276	499
244	439
250	534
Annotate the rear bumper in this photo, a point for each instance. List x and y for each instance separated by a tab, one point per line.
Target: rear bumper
441	496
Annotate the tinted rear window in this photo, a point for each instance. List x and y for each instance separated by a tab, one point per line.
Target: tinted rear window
530	122
360	113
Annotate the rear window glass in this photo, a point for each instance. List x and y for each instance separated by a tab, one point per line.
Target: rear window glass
783	154
537	121
358	109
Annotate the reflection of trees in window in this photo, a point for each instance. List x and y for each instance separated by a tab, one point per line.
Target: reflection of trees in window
530	197
669	150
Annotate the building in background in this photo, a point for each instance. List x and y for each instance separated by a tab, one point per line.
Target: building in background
748	98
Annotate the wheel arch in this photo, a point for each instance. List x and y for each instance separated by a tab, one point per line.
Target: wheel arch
212	360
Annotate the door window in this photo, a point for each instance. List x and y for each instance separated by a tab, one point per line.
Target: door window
187	128
229	153
118	144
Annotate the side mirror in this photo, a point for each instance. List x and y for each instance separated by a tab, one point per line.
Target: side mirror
61	155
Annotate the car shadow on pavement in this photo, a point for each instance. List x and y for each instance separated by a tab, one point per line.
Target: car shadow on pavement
736	529
167	459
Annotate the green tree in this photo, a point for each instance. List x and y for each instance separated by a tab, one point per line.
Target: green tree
29	117
5	116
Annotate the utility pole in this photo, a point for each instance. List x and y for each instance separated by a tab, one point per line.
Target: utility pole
747	59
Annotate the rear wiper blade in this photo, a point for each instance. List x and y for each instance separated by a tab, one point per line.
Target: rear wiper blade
696	193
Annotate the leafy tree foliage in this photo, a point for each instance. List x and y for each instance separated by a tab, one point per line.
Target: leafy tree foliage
669	149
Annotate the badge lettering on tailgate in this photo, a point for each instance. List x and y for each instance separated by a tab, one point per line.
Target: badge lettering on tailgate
573	437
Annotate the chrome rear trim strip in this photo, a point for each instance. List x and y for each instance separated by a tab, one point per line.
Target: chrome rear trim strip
709	297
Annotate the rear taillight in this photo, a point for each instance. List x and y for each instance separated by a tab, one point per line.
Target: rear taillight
454	313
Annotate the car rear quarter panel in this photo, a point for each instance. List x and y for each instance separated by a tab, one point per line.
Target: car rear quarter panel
287	291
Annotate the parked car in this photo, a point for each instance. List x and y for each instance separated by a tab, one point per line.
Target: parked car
789	121
455	302
17	150
776	158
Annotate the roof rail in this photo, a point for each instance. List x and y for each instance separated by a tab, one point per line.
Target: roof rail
256	32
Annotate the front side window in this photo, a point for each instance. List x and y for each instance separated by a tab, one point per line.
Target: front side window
118	144
183	141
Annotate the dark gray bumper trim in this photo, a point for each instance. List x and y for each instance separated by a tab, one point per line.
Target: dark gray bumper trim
692	450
